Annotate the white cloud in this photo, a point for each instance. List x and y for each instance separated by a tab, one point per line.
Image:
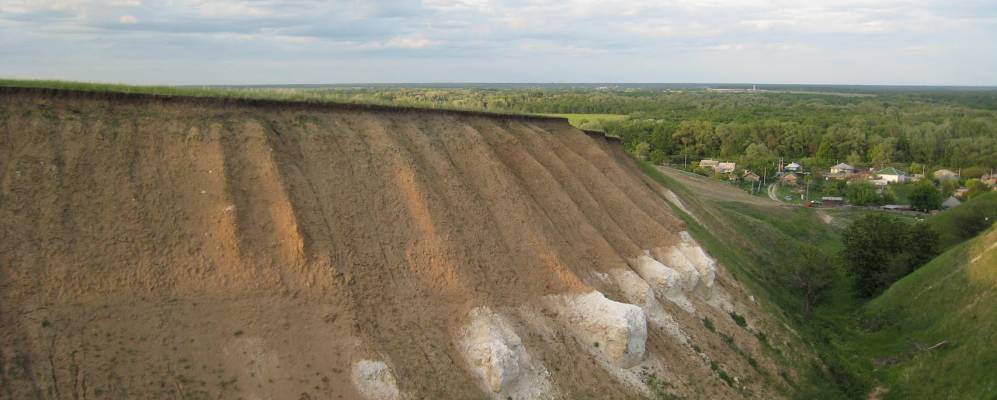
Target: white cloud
555	34
414	42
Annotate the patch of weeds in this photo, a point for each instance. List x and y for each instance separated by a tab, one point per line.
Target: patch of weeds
658	387
45	323
238	333
762	338
697	349
738	319
754	363
785	377
722	374
727	339
709	324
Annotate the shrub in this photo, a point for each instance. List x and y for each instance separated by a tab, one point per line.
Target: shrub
925	197
879	249
738	319
862	194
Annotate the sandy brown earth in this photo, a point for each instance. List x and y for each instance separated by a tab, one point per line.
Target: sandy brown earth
164	248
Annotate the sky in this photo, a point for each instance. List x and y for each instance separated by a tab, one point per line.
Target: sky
914	42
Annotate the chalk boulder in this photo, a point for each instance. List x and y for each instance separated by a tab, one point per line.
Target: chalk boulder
496	355
664	281
374	380
616	331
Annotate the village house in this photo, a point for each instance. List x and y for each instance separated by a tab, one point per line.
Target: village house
889	175
793	167
751	176
726	167
842	169
790	179
708	163
950	202
961	192
945	175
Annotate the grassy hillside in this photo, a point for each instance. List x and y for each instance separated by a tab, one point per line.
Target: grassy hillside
965	221
950	300
759	242
876	346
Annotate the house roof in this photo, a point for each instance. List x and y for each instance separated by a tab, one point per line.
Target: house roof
843	166
830	198
793	165
951	202
944	172
889	171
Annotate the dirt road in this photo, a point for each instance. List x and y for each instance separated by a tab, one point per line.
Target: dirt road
715	190
773	193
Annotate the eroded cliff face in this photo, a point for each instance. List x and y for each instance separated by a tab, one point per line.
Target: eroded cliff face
195	248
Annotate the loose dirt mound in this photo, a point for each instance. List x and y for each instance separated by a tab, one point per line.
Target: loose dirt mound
182	248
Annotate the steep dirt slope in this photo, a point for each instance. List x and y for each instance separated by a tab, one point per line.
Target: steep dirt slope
200	248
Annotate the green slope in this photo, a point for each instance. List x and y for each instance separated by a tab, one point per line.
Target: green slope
952	299
880	344
965	221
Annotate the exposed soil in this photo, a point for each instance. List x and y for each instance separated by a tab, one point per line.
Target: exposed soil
175	248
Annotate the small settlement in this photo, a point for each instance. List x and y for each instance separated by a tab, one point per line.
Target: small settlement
794	175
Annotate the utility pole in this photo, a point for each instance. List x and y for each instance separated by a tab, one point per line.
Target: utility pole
808	188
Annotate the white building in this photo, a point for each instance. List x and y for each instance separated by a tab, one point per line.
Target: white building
890	175
842	169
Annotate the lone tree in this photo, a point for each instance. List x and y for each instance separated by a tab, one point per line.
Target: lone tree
812	277
925	197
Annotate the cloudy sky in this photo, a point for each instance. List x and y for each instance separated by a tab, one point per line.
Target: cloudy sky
349	41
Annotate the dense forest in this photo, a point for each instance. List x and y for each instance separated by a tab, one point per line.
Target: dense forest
910	129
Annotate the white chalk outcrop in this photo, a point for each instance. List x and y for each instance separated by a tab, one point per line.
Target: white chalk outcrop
496	355
374	380
664	281
616	331
637	291
705	264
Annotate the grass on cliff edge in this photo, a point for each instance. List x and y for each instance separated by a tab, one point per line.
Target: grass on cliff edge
577	120
319	95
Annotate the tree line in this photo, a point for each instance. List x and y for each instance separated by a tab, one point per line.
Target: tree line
951	128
